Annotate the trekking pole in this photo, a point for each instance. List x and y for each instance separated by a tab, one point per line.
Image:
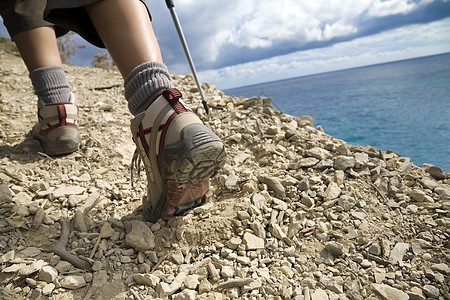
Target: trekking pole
171	7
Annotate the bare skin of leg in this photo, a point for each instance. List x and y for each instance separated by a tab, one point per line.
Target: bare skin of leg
126	31
38	47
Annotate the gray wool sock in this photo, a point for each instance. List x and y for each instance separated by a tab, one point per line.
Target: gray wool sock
143	82
50	84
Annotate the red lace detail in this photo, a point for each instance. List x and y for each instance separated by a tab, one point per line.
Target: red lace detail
62	114
173	97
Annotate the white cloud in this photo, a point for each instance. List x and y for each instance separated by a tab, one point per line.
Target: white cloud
260	40
222	33
338	29
408	42
382	8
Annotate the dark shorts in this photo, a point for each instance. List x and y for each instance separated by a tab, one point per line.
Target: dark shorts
64	15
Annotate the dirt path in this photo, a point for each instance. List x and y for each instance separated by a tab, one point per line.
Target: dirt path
296	213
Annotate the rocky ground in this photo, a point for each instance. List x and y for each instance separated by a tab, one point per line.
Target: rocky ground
296	213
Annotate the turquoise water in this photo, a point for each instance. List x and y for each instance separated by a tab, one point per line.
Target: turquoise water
401	106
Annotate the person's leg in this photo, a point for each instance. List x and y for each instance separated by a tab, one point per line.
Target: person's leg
38	47
179	153
57	113
126	30
39	51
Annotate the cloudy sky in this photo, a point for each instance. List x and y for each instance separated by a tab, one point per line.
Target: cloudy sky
241	42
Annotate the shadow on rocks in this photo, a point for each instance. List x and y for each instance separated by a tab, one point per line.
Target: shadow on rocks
28	150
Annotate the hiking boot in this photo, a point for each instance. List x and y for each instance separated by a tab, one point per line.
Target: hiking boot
180	154
57	128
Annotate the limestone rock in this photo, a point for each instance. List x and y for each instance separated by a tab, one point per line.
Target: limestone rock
165	289
349	211
387	293
66	191
335	248
307	162
441	268
443	190
73	282
106	231
48	289
333	191
48	274
398	252
147	279
252	242
344	162
186	294
192	282
274	184
318	153
319	294
141	237
431	291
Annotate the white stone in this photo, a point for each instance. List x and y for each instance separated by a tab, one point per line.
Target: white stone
252	242
177	257
186	294
243	260
147	279
66	191
231	181
73	282
22	198
13	268
307	162
33	267
97	266
233	243
141	237
259	200
48	289
274	184
339	177
287	271
443	190
431	291
192	282
389	293
63	266
318	153
256	284
106	231
48	274
335	248
418	195
441	268
398	252
361	158
8	256
164	289
319	294
205	286
428	183
277	232
333	191
227	272
344	162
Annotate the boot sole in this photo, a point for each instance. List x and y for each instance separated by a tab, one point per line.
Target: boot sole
186	167
60	146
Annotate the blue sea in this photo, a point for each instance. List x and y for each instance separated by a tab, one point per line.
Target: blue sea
402	106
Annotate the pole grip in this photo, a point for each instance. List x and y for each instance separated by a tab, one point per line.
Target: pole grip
170	4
